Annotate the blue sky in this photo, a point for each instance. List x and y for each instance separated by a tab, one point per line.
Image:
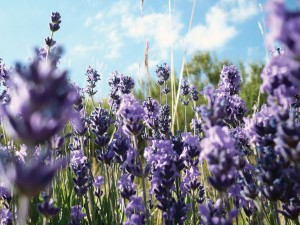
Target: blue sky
110	35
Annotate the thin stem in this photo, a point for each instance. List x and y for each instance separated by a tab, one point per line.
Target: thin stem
274	204
93	103
160	94
45	221
110	200
48	49
194	209
23	208
185	127
88	210
264	211
143	180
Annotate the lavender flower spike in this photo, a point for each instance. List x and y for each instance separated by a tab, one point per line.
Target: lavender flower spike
131	113
47	208
76	215
32	178
6	217
41	101
99	181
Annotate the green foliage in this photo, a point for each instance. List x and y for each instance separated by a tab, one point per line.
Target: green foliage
250	86
204	66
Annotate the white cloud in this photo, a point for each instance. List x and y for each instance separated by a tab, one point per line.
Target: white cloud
134	68
84	49
93	19
122	22
155	28
114	46
220	24
239	10
108	34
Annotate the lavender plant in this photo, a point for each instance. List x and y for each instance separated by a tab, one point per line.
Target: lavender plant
127	165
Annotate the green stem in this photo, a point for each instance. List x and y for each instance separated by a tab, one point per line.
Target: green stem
194	209
264	212
185	126
143	180
88	210
109	194
274	206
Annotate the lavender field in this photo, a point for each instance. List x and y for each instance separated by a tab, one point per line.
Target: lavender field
210	143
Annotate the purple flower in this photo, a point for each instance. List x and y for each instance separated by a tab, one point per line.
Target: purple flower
132	165
6	217
126	186
163	72
160	152
120	145
49	42
78	105
81	169
215	214
76	215
5	194
3	71
291	209
287	141
120	85
100	122
218	150
33	177
274	184
216	109
98	182
135	212
47	208
151	108
236	109
217	138
55	22
196	126
22	153
241	140
284	26
194	93
131	113
164	119
162	159
179	212
189	138
191	150
135	219
184	88
41	101
126	84
262	127
190	181
92	78
278	81
229	80
77	158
